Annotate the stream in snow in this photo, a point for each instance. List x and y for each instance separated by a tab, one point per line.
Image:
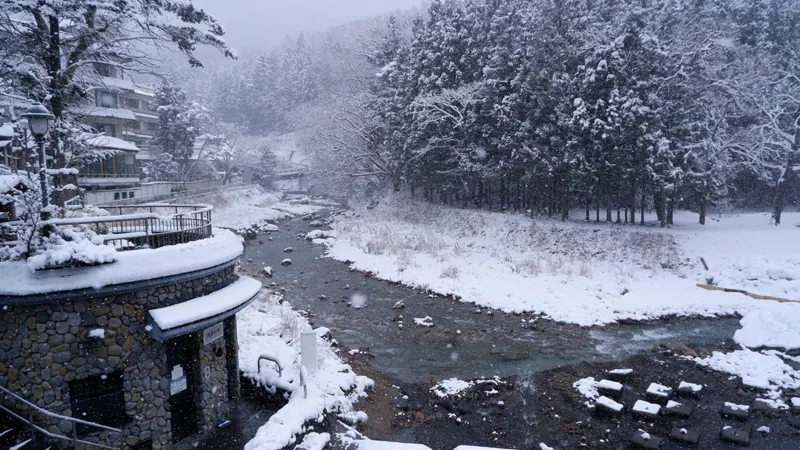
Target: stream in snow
462	342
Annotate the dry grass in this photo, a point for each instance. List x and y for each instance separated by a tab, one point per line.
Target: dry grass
449	272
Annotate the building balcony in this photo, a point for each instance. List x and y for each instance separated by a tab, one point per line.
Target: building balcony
107	180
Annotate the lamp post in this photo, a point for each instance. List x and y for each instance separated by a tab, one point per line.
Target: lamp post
38	123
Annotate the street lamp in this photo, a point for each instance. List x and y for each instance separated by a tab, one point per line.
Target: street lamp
38	123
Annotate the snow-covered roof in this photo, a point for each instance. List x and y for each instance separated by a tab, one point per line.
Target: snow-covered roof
98	111
6	131
127	85
149	116
131	266
9	182
109	142
208	306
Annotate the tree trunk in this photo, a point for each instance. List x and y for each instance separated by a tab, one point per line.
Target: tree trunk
658	202
502	195
641	210
619	220
597	210
608	214
703	209
588	211
670	211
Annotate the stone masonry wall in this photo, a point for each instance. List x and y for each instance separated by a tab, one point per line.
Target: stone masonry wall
42	348
213	386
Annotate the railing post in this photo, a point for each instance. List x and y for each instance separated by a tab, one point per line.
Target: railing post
33	430
74	436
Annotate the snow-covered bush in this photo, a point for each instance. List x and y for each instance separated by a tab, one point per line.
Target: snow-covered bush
71	247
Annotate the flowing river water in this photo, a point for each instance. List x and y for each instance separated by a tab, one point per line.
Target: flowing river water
465	341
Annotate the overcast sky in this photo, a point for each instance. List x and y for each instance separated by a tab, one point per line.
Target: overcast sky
252	25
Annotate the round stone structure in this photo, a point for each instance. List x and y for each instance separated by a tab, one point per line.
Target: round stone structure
154	358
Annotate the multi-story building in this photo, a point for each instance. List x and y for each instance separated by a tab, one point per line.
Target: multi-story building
123	110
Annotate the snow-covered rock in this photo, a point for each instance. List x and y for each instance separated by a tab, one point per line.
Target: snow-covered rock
426	321
286	262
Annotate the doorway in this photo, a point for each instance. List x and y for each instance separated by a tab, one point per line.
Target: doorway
182	368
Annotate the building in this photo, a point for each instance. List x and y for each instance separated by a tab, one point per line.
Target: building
123	111
143	350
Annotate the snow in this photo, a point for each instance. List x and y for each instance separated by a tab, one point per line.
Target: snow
210	305
645	407
253	207
756	369
543	446
772	326
796	402
659	390
621	371
97	111
451	387
473	447
456	387
763	429
426	321
610	385
320	234
736	407
110	142
134	265
382	445
587	387
691	386
9	182
314	441
268	325
97	333
610	404
575	272
673	404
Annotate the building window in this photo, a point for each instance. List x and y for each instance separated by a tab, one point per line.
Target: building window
107	129
124	195
116	195
132	103
130	194
105	99
105	70
130	163
99	399
150	126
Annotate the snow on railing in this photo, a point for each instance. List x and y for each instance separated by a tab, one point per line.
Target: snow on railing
144	226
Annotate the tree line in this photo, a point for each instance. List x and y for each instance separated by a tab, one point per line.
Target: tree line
612	106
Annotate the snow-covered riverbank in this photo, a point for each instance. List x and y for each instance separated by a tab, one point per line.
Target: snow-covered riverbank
596	274
268	327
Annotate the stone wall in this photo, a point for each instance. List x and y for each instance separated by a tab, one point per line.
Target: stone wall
42	348
213	386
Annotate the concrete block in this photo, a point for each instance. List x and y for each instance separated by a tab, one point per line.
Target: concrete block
684	436
730	434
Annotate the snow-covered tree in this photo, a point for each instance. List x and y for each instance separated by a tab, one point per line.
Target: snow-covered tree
180	124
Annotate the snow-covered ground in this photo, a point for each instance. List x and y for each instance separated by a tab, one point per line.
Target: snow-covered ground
254	208
582	273
271	328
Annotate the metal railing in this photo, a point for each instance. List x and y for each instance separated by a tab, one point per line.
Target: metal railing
270	358
141	226
30	422
161	225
